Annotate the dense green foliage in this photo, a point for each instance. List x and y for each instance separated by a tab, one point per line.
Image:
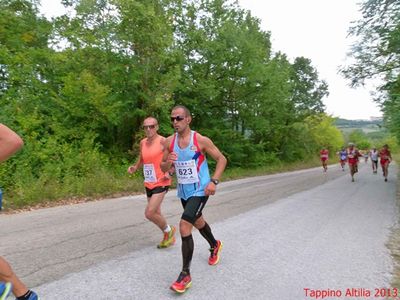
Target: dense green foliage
377	55
77	88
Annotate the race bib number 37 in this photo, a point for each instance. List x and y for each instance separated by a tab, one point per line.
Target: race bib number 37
149	173
186	172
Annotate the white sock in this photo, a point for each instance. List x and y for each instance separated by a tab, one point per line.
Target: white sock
167	228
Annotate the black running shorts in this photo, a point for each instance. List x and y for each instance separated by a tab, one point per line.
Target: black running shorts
156	190
193	207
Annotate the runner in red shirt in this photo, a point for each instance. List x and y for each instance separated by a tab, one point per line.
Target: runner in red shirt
352	159
324	155
386	158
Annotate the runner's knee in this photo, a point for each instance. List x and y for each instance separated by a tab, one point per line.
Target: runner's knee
185	227
150	212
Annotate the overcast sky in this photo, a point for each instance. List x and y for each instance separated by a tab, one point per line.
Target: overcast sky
316	29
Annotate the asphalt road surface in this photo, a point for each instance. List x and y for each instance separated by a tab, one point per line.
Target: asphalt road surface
297	235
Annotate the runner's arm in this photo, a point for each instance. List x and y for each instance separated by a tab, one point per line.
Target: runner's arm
209	147
167	174
10	142
168	157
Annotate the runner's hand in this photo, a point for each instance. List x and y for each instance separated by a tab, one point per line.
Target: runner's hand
132	169
172	157
210	189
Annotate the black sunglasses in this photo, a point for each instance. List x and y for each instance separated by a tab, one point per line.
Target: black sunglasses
149	126
177	118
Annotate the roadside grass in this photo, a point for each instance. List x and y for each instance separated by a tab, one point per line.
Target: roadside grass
47	192
394	240
279	167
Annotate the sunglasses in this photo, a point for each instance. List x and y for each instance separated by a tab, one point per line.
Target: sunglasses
177	118
149	126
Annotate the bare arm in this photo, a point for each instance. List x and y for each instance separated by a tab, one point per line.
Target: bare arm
10	142
208	147
168	157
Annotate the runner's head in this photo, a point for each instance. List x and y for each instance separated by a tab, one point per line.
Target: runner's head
150	126
180	118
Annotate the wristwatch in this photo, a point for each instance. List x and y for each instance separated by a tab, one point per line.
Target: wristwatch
215	181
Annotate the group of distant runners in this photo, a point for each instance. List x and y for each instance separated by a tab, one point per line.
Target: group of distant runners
351	155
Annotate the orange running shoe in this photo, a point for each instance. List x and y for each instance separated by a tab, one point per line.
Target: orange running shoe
183	282
215	253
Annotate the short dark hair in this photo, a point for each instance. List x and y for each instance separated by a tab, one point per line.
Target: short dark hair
151	117
185	109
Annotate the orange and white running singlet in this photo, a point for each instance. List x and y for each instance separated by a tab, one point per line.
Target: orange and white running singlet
152	156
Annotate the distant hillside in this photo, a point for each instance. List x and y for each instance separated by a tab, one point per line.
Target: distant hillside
365	125
357	123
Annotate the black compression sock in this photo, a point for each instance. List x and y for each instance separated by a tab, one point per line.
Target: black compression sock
187	252
207	234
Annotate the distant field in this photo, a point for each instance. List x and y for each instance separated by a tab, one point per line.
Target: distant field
366	129
367	126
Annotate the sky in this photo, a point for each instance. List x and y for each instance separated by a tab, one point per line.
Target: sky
318	30
315	29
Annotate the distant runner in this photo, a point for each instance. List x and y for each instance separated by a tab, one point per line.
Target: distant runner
365	155
324	155
342	158
352	158
374	154
386	158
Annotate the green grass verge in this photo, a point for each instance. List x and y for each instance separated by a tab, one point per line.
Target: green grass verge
46	191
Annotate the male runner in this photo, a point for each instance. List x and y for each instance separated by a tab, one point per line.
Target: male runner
186	150
342	157
10	143
374	154
324	155
156	181
386	158
352	159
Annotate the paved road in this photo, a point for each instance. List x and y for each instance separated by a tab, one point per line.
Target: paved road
282	234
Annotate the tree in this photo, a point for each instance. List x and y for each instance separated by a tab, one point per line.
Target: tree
376	54
324	132
360	139
308	90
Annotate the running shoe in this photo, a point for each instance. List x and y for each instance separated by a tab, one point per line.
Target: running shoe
183	282
33	296
5	290
168	240
214	254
